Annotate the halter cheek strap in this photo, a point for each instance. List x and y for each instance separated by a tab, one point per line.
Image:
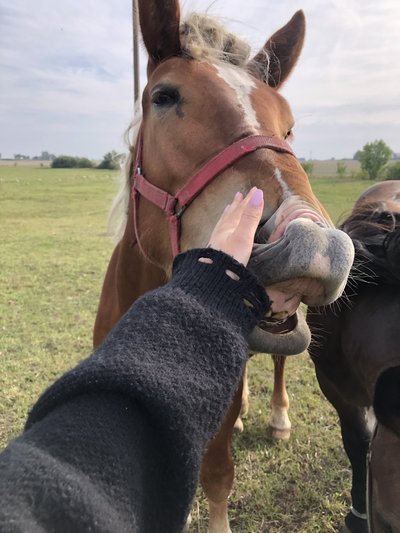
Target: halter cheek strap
175	206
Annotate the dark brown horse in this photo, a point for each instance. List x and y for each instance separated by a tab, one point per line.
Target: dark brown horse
357	356
214	123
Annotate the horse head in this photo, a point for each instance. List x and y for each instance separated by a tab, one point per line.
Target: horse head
374	227
205	95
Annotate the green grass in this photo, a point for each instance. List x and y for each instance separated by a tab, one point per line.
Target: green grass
338	195
53	256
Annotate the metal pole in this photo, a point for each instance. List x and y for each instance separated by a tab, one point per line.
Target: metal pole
136	73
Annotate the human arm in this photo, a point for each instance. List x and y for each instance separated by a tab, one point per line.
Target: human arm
116	443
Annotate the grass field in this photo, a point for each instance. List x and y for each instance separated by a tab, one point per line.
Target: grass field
328	168
25	163
53	256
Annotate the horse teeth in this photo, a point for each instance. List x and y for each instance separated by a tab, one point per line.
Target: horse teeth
282	315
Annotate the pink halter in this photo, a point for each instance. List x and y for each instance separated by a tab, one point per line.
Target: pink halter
175	206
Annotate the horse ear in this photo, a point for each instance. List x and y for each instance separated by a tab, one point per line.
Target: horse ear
275	61
387	399
159	23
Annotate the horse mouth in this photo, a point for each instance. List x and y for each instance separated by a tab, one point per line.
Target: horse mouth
283	328
298	256
288	336
278	326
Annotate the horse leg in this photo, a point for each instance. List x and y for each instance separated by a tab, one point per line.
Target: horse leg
356	437
217	471
279	422
244	409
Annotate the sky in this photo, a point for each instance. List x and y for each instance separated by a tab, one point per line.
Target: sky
66	72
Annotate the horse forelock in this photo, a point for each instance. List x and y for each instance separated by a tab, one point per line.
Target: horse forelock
206	39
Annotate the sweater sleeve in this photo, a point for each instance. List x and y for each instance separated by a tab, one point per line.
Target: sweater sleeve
116	443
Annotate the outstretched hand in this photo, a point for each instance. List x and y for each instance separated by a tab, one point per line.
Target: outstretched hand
235	230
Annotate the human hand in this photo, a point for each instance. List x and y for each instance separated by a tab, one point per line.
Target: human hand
235	230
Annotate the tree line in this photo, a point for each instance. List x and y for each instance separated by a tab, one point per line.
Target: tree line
111	161
44	156
373	158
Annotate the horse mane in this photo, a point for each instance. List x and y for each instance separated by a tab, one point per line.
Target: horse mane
203	38
375	233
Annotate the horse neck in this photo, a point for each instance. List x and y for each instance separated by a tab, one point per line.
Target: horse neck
129	276
135	274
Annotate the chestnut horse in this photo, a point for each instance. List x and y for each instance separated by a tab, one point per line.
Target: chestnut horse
357	357
214	123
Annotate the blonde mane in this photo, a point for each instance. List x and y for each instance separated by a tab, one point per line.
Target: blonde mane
203	38
206	39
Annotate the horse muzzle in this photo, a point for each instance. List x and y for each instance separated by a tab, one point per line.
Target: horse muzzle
298	257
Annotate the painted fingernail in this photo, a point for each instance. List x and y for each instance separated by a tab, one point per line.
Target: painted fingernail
256	198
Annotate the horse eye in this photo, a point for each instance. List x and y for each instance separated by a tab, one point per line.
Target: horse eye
165	97
288	134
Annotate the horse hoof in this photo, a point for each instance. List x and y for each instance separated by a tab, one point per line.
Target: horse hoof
279	434
353	524
239	427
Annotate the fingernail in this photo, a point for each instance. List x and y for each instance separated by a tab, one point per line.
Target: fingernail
227	207
238	195
256	198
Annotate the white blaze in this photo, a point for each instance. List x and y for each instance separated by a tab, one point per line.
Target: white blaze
286	192
242	84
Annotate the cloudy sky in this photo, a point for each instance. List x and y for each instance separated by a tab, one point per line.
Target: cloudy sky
66	72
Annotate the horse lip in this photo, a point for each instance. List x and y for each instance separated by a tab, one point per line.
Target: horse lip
265	229
279	327
269	245
278	241
287	342
265	226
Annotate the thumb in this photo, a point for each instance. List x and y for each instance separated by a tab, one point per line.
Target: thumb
249	221
251	214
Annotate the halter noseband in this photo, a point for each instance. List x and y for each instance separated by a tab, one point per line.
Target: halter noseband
175	206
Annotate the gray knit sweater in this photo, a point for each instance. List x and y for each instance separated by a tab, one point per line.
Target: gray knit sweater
115	445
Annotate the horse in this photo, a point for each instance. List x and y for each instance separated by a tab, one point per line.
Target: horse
356	354
213	123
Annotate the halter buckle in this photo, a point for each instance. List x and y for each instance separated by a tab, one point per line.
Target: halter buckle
181	210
